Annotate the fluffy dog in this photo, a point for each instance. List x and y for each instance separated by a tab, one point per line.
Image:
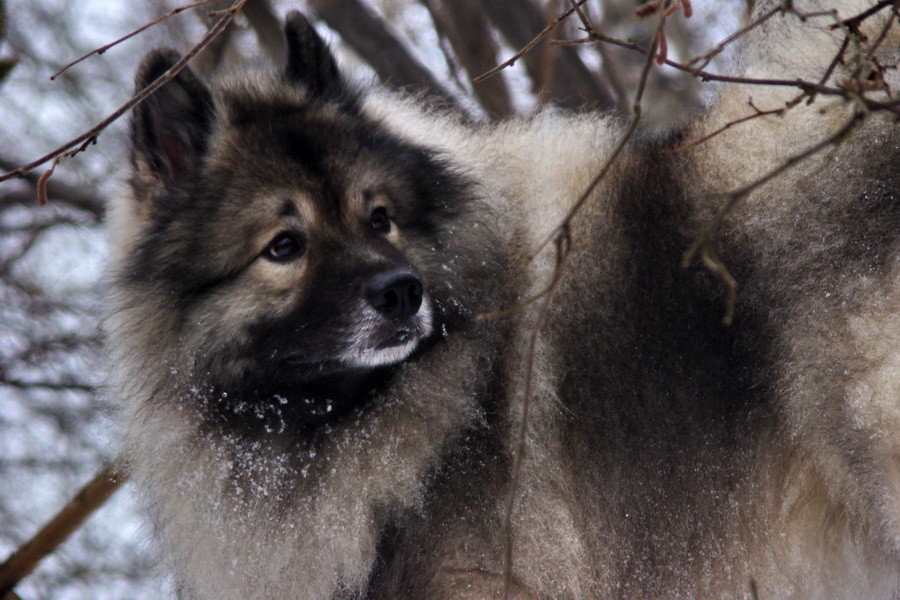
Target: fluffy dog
313	410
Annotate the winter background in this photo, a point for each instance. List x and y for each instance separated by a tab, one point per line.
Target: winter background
56	425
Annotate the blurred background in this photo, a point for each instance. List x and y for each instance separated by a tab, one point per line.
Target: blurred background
56	428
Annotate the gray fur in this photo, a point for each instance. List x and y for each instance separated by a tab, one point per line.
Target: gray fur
668	456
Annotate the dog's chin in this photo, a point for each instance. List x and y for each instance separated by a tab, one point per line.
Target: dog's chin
376	343
388	353
383	343
377	354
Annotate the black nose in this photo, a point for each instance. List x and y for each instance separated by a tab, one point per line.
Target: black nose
396	294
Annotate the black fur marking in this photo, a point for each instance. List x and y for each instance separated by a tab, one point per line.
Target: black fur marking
665	402
673	380
673	328
293	367
306	150
259	406
441	193
303	399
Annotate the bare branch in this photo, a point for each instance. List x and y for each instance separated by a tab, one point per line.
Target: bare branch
24	560
47	385
839	56
883	34
528	47
563	246
608	66
104	49
853	23
807	87
83	141
705	59
629	133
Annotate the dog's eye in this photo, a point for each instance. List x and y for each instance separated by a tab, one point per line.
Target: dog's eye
380	221
284	246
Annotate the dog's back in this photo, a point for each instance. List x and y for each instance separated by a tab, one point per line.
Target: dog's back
669	455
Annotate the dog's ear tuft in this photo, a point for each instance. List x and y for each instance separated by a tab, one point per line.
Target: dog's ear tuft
171	128
309	61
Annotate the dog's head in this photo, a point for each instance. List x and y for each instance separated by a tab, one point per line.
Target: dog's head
289	238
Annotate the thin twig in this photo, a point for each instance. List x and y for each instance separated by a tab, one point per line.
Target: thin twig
563	246
882	36
702	243
46	385
709	56
80	143
758	114
103	49
807	87
854	22
637	112
24	560
562	238
731	199
838	59
530	45
582	16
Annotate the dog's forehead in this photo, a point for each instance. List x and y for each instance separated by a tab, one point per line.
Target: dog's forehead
279	134
284	111
325	159
281	190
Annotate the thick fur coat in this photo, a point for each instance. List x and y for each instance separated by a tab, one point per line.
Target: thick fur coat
295	438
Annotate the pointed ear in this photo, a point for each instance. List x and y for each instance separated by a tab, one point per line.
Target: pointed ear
309	61
170	129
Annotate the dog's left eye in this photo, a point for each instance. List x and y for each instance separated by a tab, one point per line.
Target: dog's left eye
284	246
380	221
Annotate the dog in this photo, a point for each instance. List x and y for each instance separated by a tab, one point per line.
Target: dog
328	325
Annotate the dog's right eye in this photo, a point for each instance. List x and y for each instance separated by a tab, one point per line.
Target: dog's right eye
380	221
284	246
